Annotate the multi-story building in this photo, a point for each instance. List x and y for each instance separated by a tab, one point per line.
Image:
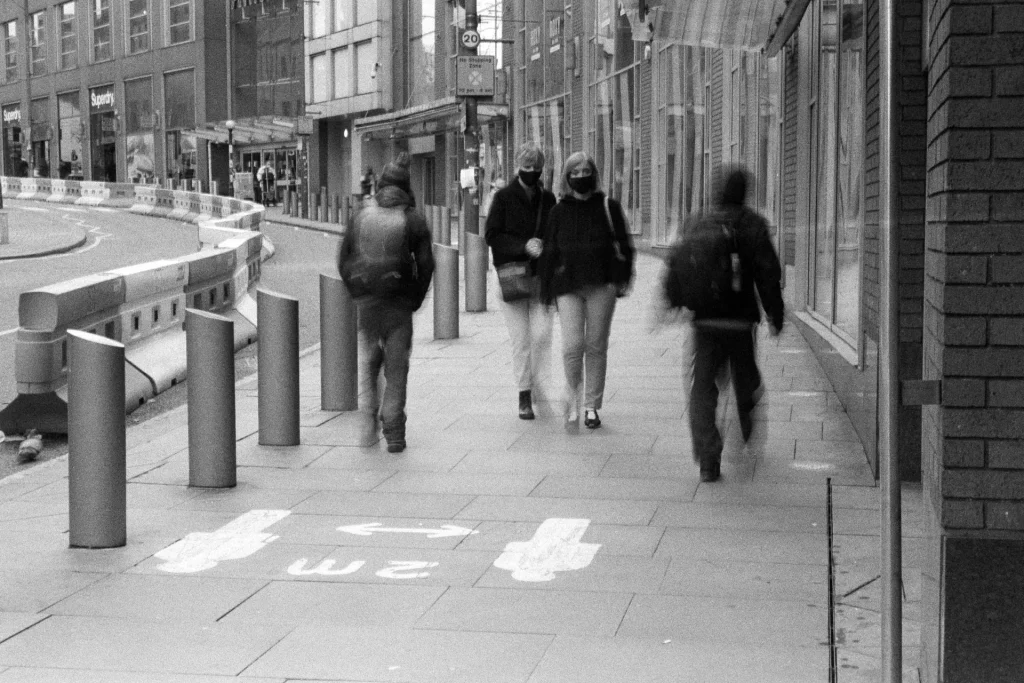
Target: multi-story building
105	90
381	80
141	90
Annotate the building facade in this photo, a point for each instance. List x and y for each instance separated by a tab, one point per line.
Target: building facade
105	90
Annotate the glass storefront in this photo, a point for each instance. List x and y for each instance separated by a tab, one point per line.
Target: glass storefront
14	163
614	130
421	52
140	166
41	135
69	132
543	119
180	115
103	133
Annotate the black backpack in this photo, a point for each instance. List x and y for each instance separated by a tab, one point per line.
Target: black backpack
704	272
381	263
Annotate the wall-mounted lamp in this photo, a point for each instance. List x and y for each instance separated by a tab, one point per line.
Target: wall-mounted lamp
345	133
647	52
376	68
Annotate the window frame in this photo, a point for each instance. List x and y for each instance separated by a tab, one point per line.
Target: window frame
61	22
11	47
129	36
37	42
172	5
109	26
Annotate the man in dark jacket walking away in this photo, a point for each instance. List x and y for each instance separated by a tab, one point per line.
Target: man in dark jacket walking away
729	253
387	261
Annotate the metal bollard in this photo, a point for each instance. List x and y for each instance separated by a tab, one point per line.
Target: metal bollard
476	273
335	209
446	225
97	470
325	215
438	223
214	188
5	230
292	208
346	211
339	346
210	359
446	292
277	317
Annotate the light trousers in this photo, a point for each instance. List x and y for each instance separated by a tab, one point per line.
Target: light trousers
529	325
586	320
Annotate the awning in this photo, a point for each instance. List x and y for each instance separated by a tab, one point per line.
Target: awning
750	25
436	117
263	130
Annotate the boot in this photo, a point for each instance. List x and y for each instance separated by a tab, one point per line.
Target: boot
525	405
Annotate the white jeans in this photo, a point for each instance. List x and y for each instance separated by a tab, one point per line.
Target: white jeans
529	326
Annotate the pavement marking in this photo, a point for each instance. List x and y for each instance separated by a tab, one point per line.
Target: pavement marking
298	568
555	547
392	572
104	209
10	331
33	208
73	209
238	538
375	527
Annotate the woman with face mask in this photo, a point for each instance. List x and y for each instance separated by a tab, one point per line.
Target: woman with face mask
587	263
515	218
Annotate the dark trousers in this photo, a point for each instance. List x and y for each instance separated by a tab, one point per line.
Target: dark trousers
714	347
385	341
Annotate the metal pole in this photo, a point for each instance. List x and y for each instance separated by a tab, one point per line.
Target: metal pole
435	223
446	225
888	399
446	292
210	359
335	204
346	210
339	346
277	317
5	230
476	273
97	470
471	196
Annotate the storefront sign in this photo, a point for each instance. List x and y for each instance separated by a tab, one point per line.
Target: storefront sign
12	115
101	99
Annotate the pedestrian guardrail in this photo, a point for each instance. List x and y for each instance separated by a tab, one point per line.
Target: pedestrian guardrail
140	306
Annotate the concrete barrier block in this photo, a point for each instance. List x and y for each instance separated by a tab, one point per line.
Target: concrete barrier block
55	306
39	360
145	280
160	357
210	264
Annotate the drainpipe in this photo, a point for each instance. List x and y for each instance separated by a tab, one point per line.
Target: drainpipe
888	389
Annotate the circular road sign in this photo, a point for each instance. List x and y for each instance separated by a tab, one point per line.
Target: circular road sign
470	38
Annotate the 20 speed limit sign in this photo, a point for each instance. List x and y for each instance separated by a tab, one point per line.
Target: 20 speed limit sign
470	38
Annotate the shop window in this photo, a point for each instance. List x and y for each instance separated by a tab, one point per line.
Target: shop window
37	43
321	77
179	24
69	133
366	73
10	36
102	47
179	107
317	12
342	73
138	26
40	137
68	35
14	162
139	146
343	14
421	55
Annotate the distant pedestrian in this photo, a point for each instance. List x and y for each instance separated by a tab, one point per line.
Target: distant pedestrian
514	223
267	180
714	271
368	183
497	185
587	263
386	261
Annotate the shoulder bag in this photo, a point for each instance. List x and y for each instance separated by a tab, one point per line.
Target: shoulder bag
620	266
516	278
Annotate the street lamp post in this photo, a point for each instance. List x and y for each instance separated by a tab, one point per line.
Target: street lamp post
230	123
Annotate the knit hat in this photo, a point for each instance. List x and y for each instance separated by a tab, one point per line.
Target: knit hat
396	173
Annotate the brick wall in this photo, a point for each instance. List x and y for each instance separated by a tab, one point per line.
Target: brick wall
974	291
870	293
717	93
646	146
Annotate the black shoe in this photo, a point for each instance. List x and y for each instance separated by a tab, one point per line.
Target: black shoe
710	473
396	446
525	405
591	419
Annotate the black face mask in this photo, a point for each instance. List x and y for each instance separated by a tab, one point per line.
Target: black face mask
583	184
529	178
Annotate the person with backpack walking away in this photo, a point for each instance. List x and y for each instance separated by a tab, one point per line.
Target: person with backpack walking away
514	222
586	264
386	260
714	271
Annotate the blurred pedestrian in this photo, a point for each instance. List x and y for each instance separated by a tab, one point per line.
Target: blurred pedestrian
514	223
368	183
386	261
497	185
714	271
587	262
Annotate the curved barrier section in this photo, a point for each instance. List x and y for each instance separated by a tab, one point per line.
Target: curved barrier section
141	306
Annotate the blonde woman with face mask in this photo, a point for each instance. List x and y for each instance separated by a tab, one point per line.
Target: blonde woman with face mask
587	263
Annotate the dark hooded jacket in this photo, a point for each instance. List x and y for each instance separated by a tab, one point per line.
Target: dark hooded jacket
512	221
580	246
392	197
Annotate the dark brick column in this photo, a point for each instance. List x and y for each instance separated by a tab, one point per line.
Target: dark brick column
973	444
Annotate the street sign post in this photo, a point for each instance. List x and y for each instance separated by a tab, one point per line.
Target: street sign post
474	76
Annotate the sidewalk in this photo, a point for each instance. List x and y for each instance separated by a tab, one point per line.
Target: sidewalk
493	549
32	233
